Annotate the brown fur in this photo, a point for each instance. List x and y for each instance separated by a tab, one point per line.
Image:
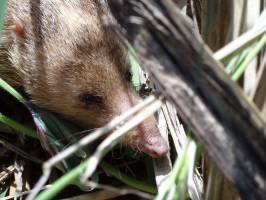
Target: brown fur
69	60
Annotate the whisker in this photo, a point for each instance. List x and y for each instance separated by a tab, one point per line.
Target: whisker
73	138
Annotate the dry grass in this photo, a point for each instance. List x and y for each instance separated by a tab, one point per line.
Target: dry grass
113	172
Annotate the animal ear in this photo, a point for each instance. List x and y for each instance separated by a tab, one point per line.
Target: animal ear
18	26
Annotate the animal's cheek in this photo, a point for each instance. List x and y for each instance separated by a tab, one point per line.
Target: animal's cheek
93	116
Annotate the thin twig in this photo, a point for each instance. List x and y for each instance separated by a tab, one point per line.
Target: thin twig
22	194
6	173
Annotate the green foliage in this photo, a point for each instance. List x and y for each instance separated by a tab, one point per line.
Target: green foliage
135	68
4	189
178	178
18	127
53	130
251	55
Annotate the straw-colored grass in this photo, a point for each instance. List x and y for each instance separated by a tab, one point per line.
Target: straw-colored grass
177	176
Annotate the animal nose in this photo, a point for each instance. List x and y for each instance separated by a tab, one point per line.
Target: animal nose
155	147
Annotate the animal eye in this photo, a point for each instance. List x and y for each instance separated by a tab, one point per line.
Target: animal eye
129	76
90	98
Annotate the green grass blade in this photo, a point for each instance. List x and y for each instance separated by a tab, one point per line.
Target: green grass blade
252	54
135	67
4	85
127	180
236	61
62	182
18	127
73	175
177	168
4	189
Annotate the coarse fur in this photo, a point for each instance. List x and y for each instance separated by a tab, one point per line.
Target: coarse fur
68	59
